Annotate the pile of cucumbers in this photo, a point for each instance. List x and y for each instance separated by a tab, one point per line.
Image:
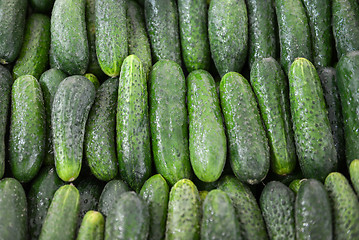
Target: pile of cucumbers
179	119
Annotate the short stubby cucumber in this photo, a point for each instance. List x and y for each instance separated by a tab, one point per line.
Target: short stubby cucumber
354	174
110	194
92	226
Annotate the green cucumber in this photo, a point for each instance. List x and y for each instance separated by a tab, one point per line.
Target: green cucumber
61	218
271	88
110	194
92	227
203	194
34	54
13	210
70	109
93	79
168	108
100	134
184	213
42	6
132	124
69	47
27	128
354	174
228	34
312	132
155	192
247	141
295	184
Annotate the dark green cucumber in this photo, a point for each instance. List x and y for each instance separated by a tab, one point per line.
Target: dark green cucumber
132	124
207	139
27	128
345	207
194	34
92	227
271	88
13	210
247	141
251	222
69	47
313	137
294	32
219	219
93	79
129	219
34	54
155	192
262	30
228	34
168	108
110	194
42	6
295	184
184	213
70	109
354	174
313	217
162	26
61	218
100	142
345	20
41	192
12	18
138	42
111	35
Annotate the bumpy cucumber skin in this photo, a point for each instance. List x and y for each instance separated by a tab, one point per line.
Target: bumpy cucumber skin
194	34
277	204
70	110
162	27
262	30
228	34
110	194
42	6
313	217
27	141
294	32
345	207
92	226
207	138
13	210
34	54
100	134
168	108
312	132
69	49
12	18
247	142
155	192
354	174
271	88
93	79
111	35
61	218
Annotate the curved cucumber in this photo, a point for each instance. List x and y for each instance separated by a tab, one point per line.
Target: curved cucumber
92	227
110	194
354	174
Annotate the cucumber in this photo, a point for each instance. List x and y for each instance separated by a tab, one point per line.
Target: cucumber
93	79
12	18
247	141
345	207
64	209
219	219
294	32
313	218
313	137
228	34
13	210
251	223
92	227
132	124
295	184
354	174
155	192
111	35
194	34
42	6
277	205
69	47
27	139
207	139
34	54
271	89
129	219
203	194
110	194
184	213
168	108
70	109
162	27
100	134
41	192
